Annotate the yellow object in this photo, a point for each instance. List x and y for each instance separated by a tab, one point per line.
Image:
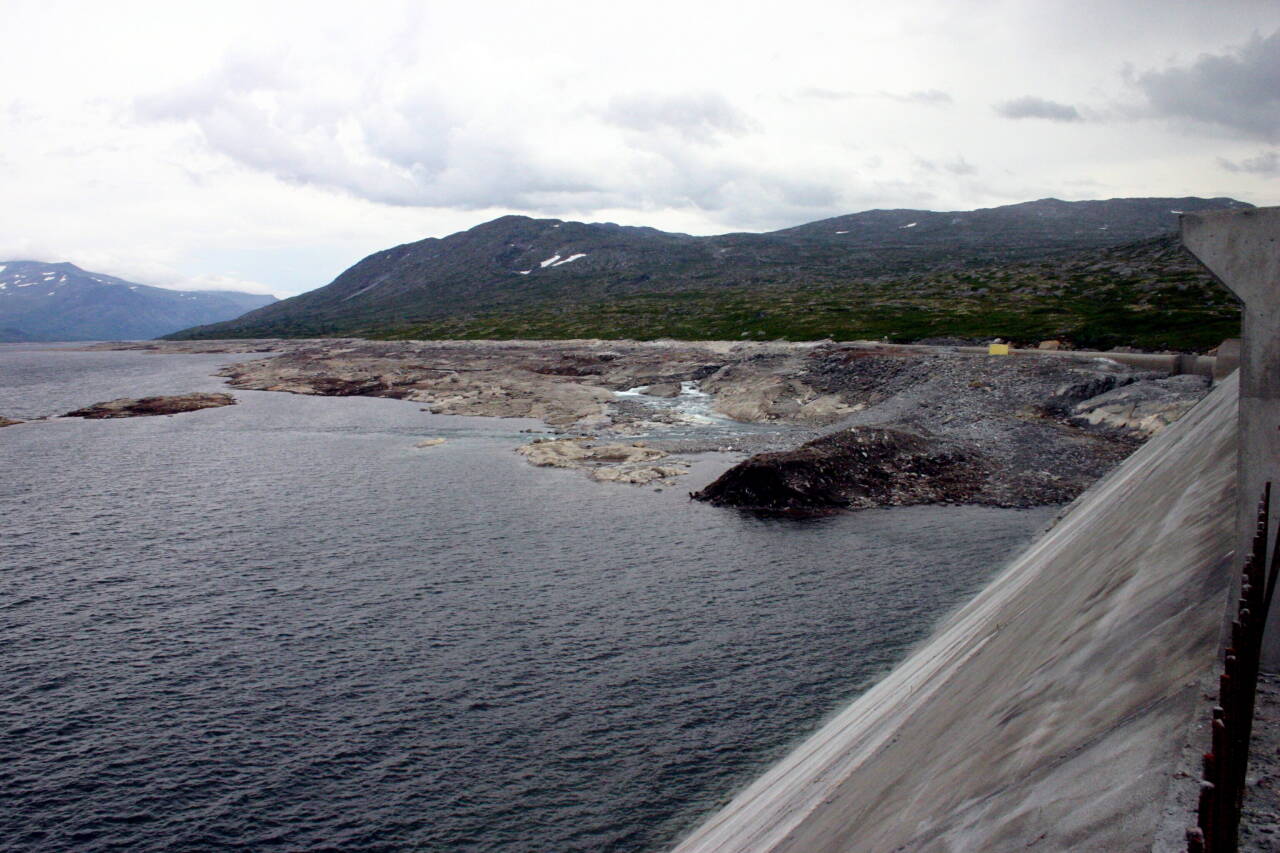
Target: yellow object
997	349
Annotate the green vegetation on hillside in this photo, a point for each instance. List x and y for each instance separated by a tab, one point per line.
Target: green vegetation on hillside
1181	311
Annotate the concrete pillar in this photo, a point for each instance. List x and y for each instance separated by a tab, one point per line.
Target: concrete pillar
1227	361
1242	249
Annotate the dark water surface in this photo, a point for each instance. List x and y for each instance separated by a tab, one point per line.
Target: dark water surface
277	625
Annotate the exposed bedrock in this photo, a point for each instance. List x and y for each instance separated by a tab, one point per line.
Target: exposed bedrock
606	463
127	407
1143	407
1029	429
568	384
771	387
4	422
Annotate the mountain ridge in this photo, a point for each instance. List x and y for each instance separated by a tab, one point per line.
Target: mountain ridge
515	263
41	301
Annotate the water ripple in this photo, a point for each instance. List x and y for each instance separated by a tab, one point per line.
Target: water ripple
278	626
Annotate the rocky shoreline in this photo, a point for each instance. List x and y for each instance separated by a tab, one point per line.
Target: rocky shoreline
929	424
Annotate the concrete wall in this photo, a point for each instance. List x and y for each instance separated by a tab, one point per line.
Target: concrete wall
1171	363
1050	712
1242	250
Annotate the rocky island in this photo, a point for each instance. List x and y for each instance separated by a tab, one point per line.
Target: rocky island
127	407
605	463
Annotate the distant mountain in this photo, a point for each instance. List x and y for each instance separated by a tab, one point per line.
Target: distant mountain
61	302
517	264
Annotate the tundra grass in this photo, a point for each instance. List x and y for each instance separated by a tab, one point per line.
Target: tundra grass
1178	316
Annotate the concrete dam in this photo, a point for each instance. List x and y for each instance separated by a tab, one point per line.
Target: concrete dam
1053	711
1067	706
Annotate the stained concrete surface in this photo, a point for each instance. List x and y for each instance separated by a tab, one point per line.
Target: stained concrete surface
1062	709
1260	817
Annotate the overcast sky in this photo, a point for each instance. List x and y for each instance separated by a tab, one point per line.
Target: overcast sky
268	146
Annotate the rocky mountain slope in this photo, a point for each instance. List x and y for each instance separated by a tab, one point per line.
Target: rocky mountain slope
522	277
61	302
1149	294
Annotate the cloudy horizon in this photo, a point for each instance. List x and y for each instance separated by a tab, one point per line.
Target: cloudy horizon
268	146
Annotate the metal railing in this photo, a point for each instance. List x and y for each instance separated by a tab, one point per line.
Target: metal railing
1225	765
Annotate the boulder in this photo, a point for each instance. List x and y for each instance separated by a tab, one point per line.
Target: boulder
1142	408
750	394
639	475
663	389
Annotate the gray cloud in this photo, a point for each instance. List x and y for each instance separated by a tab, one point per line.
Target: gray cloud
699	117
668	172
1031	106
1267	163
294	140
959	166
1238	89
412	149
417	147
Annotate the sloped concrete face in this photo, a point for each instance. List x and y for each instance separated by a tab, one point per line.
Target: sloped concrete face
1052	711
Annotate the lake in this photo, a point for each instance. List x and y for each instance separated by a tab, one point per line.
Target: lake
279	625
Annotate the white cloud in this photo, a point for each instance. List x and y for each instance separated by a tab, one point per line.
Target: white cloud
220	282
926	97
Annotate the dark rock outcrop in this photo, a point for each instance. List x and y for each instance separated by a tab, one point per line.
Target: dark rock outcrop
851	469
127	407
4	422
